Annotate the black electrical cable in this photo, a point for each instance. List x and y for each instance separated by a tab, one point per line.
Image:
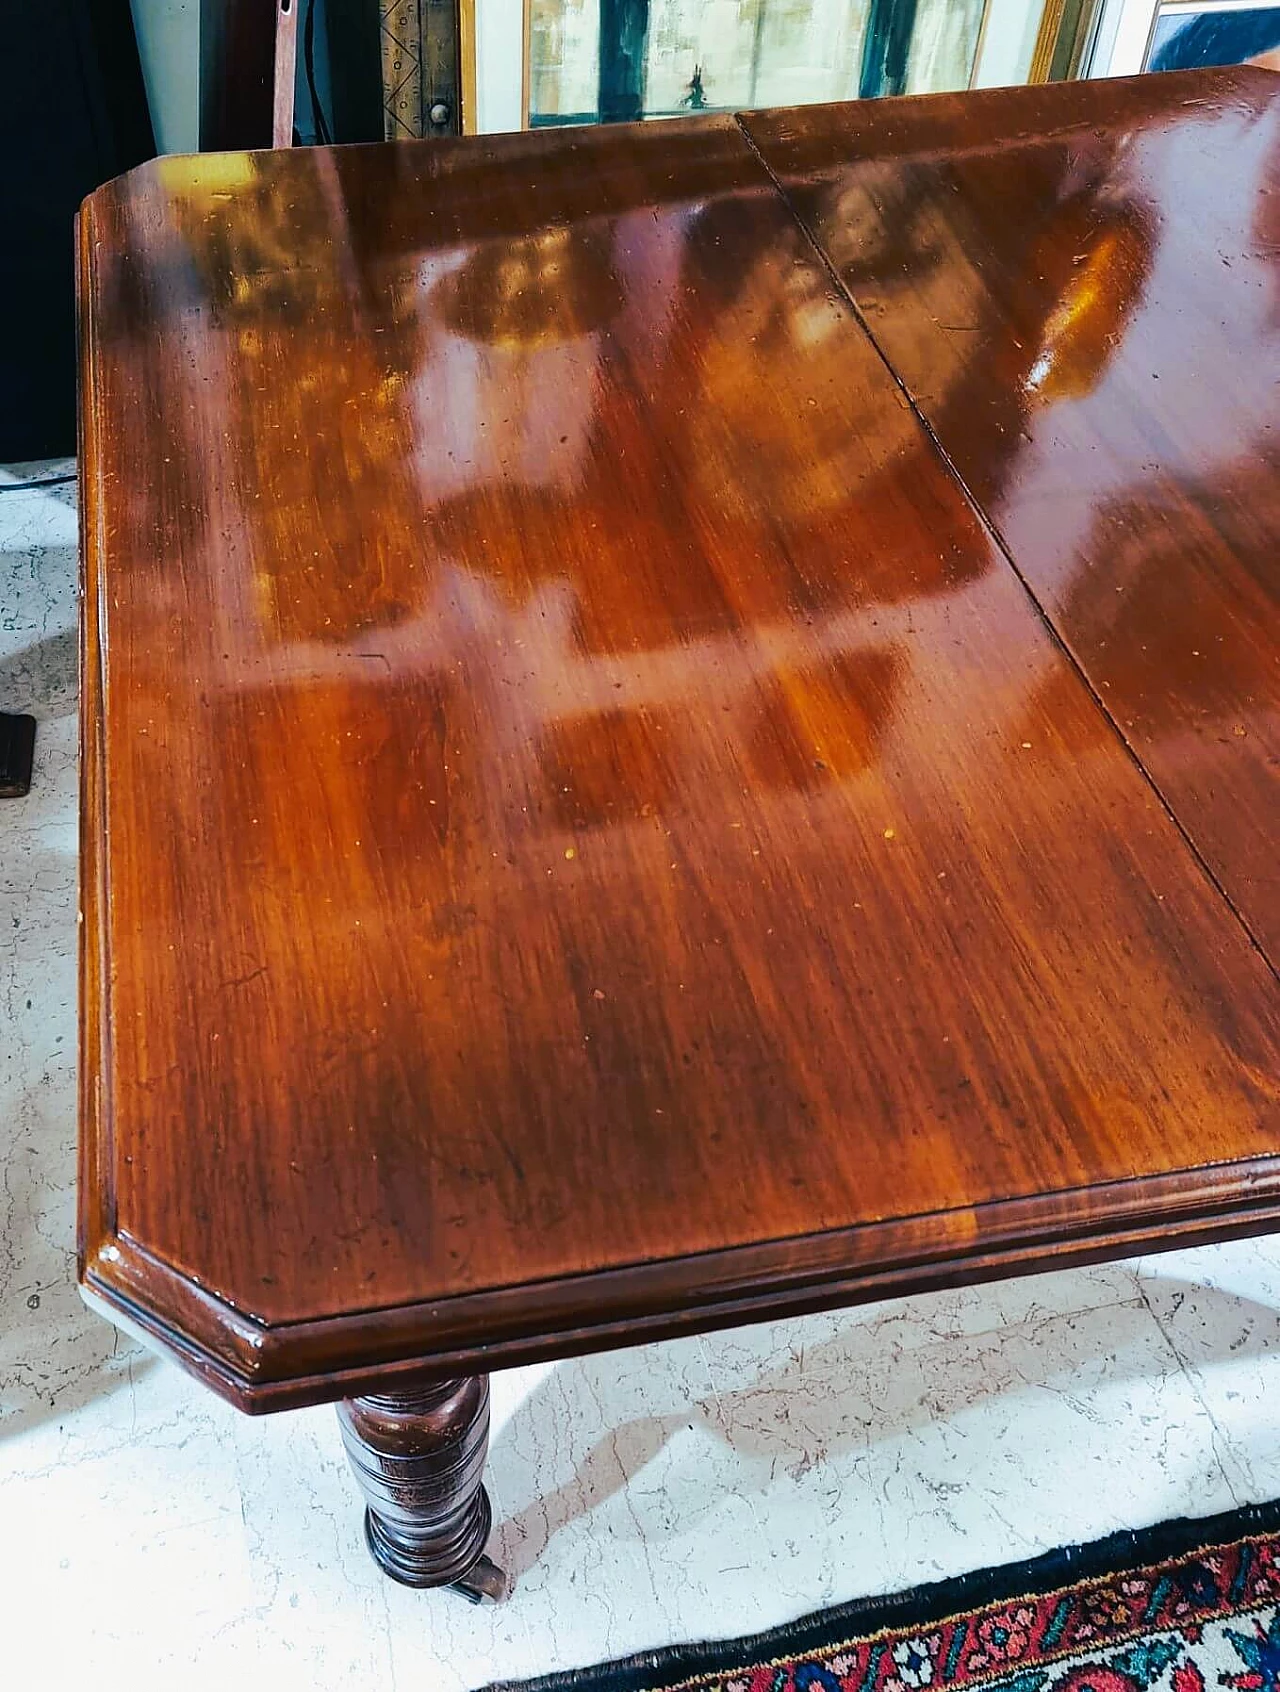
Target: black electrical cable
39	482
309	61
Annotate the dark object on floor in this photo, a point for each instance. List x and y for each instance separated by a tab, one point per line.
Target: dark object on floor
1188	1603
37	482
73	113
17	747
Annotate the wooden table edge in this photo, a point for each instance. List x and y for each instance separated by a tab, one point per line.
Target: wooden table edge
95	1185
261	1366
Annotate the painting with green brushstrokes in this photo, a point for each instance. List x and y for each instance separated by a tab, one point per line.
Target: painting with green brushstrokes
613	61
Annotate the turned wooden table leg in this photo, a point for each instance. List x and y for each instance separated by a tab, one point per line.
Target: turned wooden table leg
418	1456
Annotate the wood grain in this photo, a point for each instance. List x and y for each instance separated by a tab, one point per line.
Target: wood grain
1110	287
589	835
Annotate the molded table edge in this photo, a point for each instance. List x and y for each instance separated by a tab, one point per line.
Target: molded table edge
262	1367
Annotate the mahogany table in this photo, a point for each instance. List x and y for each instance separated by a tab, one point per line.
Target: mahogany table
680	724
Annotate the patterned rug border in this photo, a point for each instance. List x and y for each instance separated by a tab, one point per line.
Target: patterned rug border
918	1608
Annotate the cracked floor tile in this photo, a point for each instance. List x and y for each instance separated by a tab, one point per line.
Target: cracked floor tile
1219	1309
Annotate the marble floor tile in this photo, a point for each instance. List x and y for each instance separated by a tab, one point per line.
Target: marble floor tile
1219	1312
154	1538
883	1453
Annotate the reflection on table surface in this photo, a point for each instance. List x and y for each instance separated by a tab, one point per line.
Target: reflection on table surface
1119	425
550	589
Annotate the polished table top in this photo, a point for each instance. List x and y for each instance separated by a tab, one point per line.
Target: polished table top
681	721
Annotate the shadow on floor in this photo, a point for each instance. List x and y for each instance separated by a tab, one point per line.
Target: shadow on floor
40	680
55	1354
851	1391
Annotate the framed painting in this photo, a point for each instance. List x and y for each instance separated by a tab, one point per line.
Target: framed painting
552	62
1161	35
1187	37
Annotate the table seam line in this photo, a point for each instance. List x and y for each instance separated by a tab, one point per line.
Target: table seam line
989	525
